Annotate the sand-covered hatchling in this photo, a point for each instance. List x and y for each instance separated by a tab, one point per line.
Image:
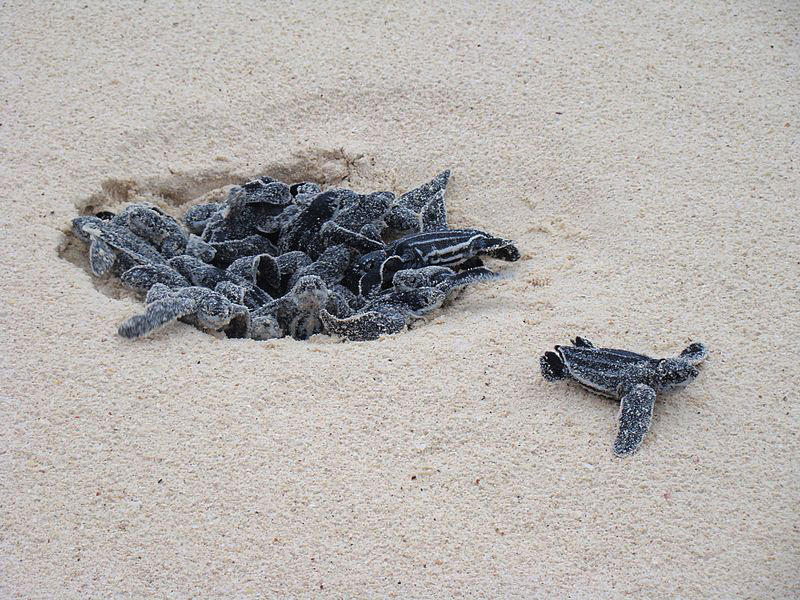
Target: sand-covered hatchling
414	293
114	247
634	379
204	308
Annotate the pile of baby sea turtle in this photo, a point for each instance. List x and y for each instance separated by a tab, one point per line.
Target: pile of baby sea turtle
273	260
276	259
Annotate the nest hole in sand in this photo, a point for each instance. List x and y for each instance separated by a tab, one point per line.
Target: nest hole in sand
294	252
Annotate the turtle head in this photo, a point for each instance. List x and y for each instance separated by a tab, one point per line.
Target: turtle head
369	261
694	353
214	311
674	373
310	293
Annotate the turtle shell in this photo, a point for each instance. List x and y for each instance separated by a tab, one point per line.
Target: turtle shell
603	370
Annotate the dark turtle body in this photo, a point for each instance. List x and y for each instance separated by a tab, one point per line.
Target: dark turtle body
152	224
248	209
302	231
448	248
297	313
416	292
245	272
632	378
359	222
114	246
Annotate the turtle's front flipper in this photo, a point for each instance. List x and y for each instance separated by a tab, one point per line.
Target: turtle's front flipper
265	327
239	325
157	314
364	326
432	216
694	353
464	278
101	256
635	415
581	342
552	366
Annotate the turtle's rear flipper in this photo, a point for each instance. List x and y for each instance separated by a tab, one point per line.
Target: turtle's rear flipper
635	416
432	216
553	367
694	353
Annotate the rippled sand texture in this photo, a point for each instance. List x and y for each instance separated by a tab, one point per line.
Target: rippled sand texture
644	158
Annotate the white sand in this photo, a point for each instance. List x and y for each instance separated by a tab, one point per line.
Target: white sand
645	159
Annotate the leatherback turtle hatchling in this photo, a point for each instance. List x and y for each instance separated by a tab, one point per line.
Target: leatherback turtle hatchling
113	246
447	248
199	306
416	292
298	312
632	378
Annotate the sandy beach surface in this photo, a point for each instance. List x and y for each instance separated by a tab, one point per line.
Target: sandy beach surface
644	158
